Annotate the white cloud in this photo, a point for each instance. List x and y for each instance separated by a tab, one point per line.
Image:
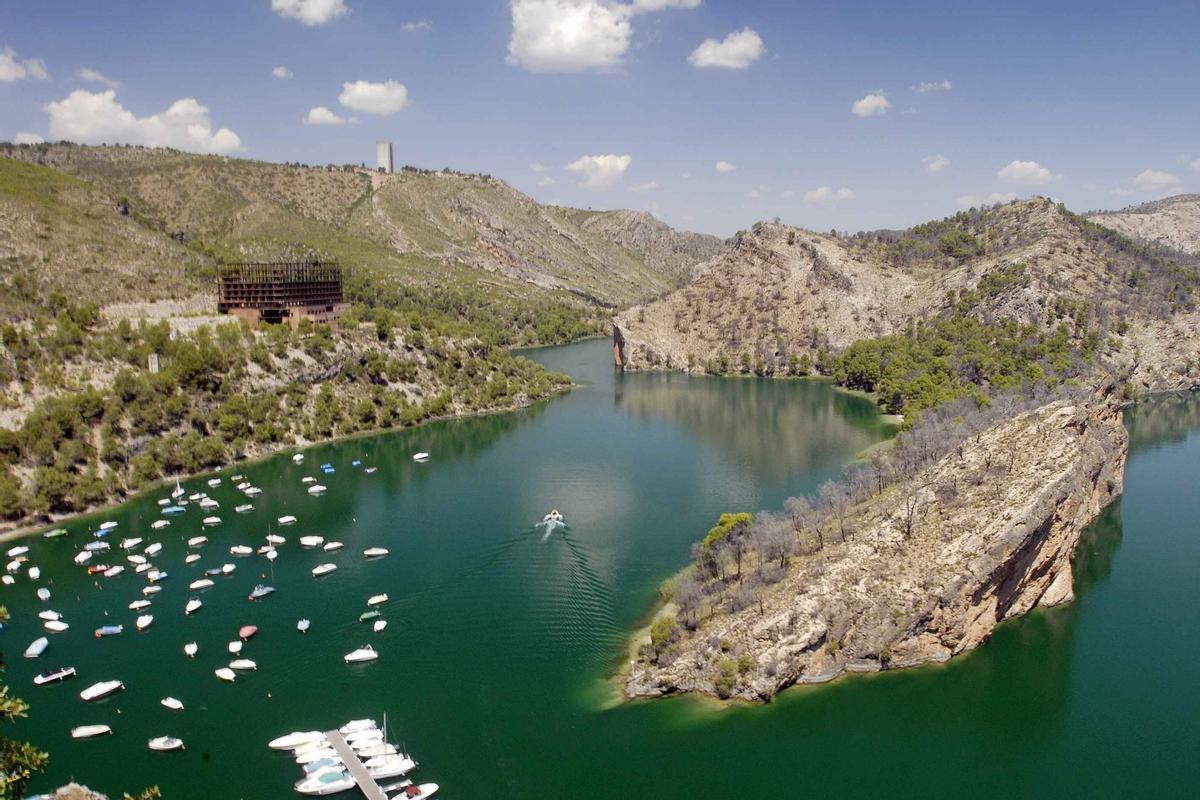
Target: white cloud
600	172
738	50
282	73
13	68
417	25
757	191
25	137
873	105
970	200
310	12
546	180
576	35
933	86
537	166
1026	173
374	98
724	166
935	164
96	117
827	194
648	186
94	76
1154	180
321	115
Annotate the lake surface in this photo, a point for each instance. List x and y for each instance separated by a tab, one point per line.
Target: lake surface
493	669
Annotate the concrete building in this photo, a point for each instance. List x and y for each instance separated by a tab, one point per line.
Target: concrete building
282	292
383	156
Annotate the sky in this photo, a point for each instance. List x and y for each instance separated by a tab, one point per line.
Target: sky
710	113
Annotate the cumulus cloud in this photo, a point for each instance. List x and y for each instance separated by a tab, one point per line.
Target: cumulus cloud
14	68
25	137
310	12
321	115
1149	180
97	117
724	166
935	164
648	186
417	25
970	200
827	194
576	35
537	166
738	50
600	172
925	87
1026	173
873	105
281	73
374	98
546	180
94	76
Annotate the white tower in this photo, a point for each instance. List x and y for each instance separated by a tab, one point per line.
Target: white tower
383	156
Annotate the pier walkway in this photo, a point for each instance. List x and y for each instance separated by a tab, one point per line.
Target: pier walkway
354	766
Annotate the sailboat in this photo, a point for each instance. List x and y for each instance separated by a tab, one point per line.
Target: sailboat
178	491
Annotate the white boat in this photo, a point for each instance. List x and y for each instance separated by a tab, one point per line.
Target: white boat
208	502
192	606
227	569
149	590
83	557
37	647
275	539
425	790
55	626
200	583
144	621
312	541
243	486
88	731
14	566
108	526
242	664
164	501
154	549
54	676
159	524
172	703
324	783
236	478
271	554
308	747
286	519
253	491
7	580
308	479
243	508
298	457
135	559
323	569
225	674
295	739
375	552
197	541
377	599
214	483
34	573
48	615
138	605
210	521
140	568
97	546
235	647
394	766
371	470
190	649
331	547
43	593
376	750
191	558
156	575
113	572
178	492
379	625
195	496
365	653
364	737
241	550
317	488
132	542
101	689
420	458
165	743
357	725
303	625
309	756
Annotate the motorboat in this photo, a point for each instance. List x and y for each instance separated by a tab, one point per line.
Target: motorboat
243	486
356	462
227	569
312	541
298	457
97	569
253	491
7	580
365	653
196	496
247	632
243	508
197	541
308	479
114	571
324	783
108	526
309	756
34	573
420	458
55	533
172	703
108	630
14	566
43	593
365	737
357	725
276	539
271	554
368	615
212	572
260	591
156	575
144	621
391	766
323	569
375	552
375	750
242	664
96	547
140	568
328	470
130	543
317	489
379	625
99	690
149	590
191	558
55	626
286	519
49	615
295	739
83	557
208	502
323	764
214	483
193	605
225	674
88	731
241	550
165	743
236	478
371	470
153	549
235	647
178	491
264	549
331	547
54	676
210	521
190	649
303	625
173	510
553	516
162	501
412	792
200	584
159	524
308	747
135	559
138	605
37	647
377	599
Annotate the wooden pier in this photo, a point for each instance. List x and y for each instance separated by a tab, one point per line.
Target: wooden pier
354	766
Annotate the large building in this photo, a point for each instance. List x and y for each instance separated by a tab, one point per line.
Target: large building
383	156
282	292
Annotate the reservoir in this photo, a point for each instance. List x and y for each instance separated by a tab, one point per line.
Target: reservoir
495	667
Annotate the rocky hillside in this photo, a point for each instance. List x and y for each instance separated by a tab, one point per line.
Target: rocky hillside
918	572
777	292
670	252
1173	222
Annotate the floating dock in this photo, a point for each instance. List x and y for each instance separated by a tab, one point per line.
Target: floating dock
366	784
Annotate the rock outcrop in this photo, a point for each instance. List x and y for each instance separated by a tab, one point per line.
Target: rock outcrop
1172	222
927	568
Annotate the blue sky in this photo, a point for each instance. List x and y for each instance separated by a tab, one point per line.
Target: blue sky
1096	103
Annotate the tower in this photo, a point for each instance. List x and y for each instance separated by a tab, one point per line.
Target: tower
383	156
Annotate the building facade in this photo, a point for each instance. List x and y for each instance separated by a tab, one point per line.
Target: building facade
383	156
282	292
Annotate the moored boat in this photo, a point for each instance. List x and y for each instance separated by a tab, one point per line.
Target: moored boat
211	521
37	647
159	524
303	625
242	664
163	743
226	674
138	605
375	552
108	630
312	541
193	605
323	569
325	783
286	519
101	689
54	676
197	541
364	653
55	533
153	549
243	508
379	625
260	591
377	599
190	649
144	621
247	632
332	546
317	489
295	739
200	584
55	626
43	594
88	731
241	550
420	458
191	558
172	703
368	615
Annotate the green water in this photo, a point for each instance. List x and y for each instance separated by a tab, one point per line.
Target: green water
492	669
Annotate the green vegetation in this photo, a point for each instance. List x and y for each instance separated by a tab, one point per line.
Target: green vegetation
18	760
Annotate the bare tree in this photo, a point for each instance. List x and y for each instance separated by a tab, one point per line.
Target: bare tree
775	537
835	499
689	595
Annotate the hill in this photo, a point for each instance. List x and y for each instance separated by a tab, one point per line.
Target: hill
1172	222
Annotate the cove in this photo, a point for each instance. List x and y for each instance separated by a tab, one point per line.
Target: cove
493	667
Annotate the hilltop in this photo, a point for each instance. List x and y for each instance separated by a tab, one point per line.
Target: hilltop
1172	222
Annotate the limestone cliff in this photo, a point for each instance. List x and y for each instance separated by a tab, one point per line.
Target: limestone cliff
927	568
1172	222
